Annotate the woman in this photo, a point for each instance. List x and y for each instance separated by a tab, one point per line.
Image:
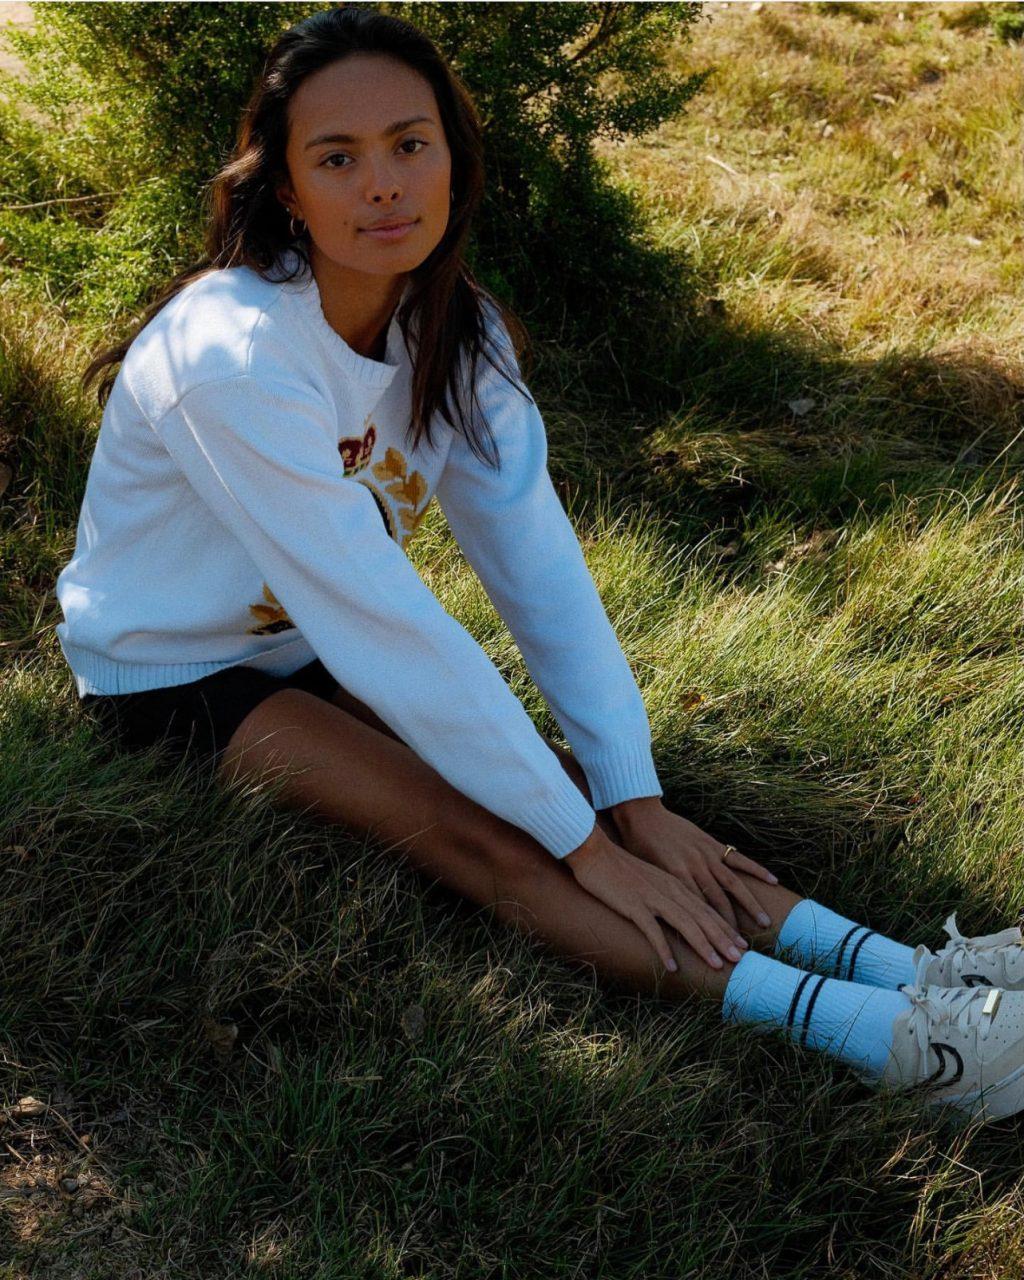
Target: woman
240	588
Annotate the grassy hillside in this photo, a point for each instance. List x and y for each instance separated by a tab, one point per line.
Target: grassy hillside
261	1047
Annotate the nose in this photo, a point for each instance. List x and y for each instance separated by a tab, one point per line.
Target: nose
383	187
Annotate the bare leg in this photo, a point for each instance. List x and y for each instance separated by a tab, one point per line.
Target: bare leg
337	766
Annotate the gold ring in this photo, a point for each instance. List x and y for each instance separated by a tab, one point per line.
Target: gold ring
729	848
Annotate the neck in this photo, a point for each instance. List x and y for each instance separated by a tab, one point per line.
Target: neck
357	306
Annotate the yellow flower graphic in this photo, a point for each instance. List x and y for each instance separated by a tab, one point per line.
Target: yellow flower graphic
407	488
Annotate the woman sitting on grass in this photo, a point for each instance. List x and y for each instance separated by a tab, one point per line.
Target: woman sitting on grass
240	588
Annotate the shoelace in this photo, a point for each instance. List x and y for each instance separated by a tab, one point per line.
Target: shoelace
964	1007
957	943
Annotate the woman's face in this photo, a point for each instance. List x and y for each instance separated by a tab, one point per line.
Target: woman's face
366	174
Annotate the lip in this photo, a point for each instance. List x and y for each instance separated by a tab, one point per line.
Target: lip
387	234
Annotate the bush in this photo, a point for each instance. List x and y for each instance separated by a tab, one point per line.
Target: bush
145	98
1008	23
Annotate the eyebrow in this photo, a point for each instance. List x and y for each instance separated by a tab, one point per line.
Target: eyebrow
389	132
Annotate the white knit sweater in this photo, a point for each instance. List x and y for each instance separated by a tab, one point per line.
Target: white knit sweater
250	500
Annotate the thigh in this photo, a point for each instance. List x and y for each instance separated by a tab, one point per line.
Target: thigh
330	765
345	700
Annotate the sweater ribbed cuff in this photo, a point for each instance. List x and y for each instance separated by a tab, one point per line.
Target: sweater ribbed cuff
624	771
563	822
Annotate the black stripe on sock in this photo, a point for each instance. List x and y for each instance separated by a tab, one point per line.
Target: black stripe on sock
807	1013
842	948
856	951
796	999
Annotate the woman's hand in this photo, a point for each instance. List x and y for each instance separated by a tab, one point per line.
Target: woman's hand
666	840
640	892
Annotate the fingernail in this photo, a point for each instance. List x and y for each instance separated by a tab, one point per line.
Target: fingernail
763	919
672	966
733	953
773	879
742	943
716	959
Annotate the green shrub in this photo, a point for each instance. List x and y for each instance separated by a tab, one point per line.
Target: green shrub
1008	23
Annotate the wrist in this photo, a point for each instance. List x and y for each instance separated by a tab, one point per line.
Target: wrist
629	812
596	840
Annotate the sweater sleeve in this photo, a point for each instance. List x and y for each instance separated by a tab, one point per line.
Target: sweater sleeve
515	533
262	453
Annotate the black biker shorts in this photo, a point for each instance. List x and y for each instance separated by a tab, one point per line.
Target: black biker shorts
197	719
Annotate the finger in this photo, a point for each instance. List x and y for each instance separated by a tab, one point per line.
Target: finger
691	932
717	928
713	899
656	937
686	880
717	898
743	895
719	934
683	889
740	862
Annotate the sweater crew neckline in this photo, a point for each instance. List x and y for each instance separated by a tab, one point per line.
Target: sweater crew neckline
374	374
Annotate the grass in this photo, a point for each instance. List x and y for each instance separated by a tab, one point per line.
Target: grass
263	1048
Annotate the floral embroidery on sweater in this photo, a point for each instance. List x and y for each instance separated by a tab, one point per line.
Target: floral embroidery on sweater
272	616
408	488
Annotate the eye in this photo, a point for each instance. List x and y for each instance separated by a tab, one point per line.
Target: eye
326	162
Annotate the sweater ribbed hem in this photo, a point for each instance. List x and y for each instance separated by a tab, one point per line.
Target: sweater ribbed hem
625	771
562	823
95	673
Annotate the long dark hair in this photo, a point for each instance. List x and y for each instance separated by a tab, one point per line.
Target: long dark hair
247	225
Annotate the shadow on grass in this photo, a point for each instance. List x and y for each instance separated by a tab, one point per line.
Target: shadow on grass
717	422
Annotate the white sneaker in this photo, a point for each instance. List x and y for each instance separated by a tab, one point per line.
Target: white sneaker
962	1048
990	960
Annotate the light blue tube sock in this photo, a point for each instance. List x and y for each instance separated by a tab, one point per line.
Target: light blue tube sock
848	1020
813	936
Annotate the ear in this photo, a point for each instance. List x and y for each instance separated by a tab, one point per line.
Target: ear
286	195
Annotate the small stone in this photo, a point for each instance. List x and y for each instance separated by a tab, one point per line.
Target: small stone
28	1106
801	407
222	1036
69	1185
414	1020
